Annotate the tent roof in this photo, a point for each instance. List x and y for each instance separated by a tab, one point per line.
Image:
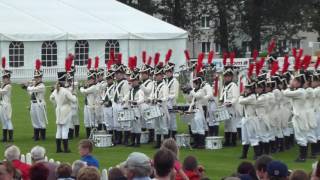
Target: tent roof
37	20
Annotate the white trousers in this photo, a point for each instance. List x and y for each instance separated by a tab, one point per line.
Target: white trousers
231	125
108	118
99	114
172	121
249	134
304	136
264	133
5	119
210	118
89	117
62	131
317	115
197	123
75	116
37	112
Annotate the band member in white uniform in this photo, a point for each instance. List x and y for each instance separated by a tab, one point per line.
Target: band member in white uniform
297	95
229	98
250	126
134	100
107	102
121	90
90	92
101	85
147	87
5	107
205	101
159	96
38	105
62	99
173	86
271	100
316	86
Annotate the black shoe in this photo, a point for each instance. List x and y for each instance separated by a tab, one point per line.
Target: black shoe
133	140
138	137
43	134
36	134
195	141
245	149
302	154
227	136
158	141
201	144
233	139
10	135
66	146
266	148
58	145
70	134
256	150
119	137
281	144
313	154
239	133
173	134
287	142
88	131
76	130
151	135
273	146
126	137
4	135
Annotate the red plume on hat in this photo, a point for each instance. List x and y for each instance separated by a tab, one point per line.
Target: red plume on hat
259	65
111	55
131	63
275	68
317	63
3	62
96	62
300	53
199	62
306	62
255	55
168	56
156	59
232	56
38	64
294	52
271	46
286	64
144	57
135	61
89	63
119	58
216	88
68	63
187	55
210	57
109	64
225	56
149	60
250	70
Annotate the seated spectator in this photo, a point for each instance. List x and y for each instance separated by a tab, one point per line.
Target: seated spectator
85	150
191	168
163	162
12	154
138	166
64	171
298	175
173	147
116	174
246	168
76	166
39	171
261	166
88	173
277	171
38	155
8	172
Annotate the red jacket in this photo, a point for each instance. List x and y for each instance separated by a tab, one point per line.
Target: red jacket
192	175
23	168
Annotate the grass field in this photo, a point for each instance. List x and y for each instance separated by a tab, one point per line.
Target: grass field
217	163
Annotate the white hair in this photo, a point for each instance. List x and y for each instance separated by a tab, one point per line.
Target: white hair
38	153
76	166
12	153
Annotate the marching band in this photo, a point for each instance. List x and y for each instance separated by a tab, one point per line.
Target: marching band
273	108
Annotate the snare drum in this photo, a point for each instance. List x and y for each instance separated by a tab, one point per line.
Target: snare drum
221	114
102	139
126	115
214	142
183	140
187	117
144	137
151	113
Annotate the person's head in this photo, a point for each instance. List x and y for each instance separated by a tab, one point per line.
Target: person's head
144	75
277	170
64	170
6	77
39	171
169	73
119	75
261	166
7	171
116	174
315	83
38	153
85	147
137	165
190	163
247	168
260	87
159	77
163	162
12	153
298	81
88	173
298	175
135	82
38	79
197	82
76	166
228	75
172	146
109	80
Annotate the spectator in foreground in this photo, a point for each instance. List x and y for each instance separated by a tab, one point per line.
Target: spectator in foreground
138	166
88	173
261	166
116	174
173	147
64	172
85	150
163	162
12	154
298	175
76	166
39	171
38	154
277	171
191	168
246	168
8	172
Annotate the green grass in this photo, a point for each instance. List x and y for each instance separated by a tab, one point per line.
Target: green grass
218	163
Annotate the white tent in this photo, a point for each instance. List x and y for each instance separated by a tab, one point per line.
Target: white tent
96	21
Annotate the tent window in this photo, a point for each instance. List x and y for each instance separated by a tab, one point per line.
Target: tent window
49	53
16	54
111	45
81	52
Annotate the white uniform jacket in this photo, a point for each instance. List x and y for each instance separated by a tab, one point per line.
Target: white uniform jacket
173	86
5	100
